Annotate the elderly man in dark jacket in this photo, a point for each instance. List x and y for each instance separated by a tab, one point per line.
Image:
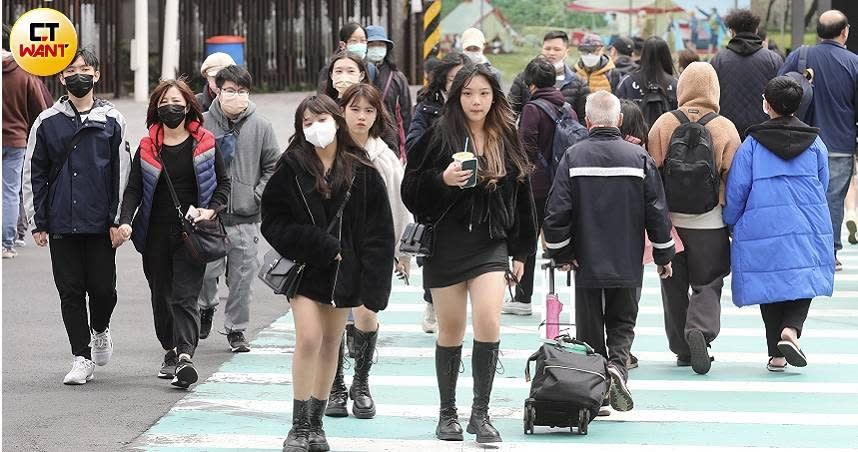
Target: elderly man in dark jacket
606	189
743	69
555	48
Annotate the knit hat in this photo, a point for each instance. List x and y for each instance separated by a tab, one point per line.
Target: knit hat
214	63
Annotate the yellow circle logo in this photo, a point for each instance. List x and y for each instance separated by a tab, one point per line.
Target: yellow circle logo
43	41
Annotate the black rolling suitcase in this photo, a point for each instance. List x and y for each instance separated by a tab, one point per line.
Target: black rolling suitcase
568	386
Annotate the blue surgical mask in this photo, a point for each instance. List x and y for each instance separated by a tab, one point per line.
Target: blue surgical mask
359	48
376	54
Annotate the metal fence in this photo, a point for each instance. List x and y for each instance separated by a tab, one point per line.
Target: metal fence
96	22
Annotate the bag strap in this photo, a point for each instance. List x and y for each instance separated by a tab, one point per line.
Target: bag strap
75	140
548	108
802	59
680	115
709	117
172	189
387	85
342	207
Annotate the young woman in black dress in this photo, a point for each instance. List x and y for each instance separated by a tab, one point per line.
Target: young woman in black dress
477	230
321	170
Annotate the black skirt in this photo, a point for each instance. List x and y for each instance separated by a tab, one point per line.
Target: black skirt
461	255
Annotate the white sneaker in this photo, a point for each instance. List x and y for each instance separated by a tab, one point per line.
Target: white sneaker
102	347
20	243
430	323
9	253
82	371
516	308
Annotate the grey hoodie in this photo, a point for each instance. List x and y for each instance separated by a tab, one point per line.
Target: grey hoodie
256	155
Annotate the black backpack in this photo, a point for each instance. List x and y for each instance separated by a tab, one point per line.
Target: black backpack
654	102
691	181
804	76
567	132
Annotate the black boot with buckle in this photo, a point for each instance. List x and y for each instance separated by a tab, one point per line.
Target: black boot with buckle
447	362
484	362
298	438
339	398
363	406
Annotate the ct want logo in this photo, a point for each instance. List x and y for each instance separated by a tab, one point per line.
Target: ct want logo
43	41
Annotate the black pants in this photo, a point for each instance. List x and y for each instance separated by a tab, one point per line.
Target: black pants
607	312
524	289
84	264
702	268
175	281
785	314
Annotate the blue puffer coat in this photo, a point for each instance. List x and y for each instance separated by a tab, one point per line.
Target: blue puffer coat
782	238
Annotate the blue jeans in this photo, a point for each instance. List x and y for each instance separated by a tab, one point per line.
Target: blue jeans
839	174
13	163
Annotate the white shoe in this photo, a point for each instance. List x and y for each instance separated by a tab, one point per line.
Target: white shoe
20	243
82	371
430	323
9	253
516	308
102	347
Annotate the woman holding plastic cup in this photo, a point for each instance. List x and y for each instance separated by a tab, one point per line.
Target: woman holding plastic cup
482	209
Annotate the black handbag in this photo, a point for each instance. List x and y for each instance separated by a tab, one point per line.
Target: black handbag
418	239
205	240
282	274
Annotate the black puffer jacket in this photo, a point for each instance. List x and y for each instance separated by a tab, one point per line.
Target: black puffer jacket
625	65
573	87
744	68
510	207
425	114
294	221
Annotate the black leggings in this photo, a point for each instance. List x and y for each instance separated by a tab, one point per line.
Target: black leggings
784	314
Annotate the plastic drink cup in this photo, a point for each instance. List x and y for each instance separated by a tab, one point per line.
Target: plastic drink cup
469	163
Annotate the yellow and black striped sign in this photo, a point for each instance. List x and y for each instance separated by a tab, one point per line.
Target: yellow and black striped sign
431	27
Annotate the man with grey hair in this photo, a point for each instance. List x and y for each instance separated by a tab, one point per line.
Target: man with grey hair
606	194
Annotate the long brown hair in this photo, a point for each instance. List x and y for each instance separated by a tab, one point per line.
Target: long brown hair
502	144
195	110
383	123
348	153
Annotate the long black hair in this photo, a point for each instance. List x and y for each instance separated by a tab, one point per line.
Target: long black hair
348	152
634	124
332	92
656	63
438	79
347	31
502	149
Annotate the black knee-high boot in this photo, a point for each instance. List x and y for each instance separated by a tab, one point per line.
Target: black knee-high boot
338	400
298	438
447	362
363	406
484	362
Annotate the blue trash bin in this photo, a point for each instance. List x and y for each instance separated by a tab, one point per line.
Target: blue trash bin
231	45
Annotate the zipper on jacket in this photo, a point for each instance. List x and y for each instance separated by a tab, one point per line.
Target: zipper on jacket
544	369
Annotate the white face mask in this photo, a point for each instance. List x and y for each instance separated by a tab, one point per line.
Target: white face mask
376	54
321	133
765	110
558	66
591	59
476	57
358	48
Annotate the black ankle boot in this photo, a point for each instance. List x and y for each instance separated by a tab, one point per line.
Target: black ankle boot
298	438
447	362
363	406
316	440
338	400
484	362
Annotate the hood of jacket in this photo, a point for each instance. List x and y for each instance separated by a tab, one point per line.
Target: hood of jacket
221	118
9	63
552	95
698	87
97	113
745	43
625	63
605	65
787	136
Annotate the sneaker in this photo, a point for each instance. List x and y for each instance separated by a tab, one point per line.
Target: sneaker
168	367
102	347
605	410
621	397
206	316
851	226
186	375
430	323
632	363
82	370
20	243
237	342
838	267
9	253
516	308
700	360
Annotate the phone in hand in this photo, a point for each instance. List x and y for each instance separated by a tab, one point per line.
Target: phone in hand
192	213
401	274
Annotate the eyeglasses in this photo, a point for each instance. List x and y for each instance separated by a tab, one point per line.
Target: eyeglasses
229	92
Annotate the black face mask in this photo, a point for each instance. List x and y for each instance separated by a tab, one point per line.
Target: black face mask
79	85
171	115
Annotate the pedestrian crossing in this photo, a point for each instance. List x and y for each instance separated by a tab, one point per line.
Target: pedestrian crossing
246	405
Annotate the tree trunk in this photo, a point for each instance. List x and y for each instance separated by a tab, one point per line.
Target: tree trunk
769	12
810	13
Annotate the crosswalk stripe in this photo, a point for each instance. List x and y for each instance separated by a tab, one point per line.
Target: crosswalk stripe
639	331
726	310
659	357
192	441
838	294
519	383
430	411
